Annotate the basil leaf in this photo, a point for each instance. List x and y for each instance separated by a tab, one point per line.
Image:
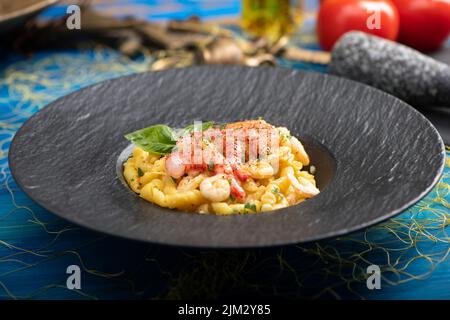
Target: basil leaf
205	126
158	139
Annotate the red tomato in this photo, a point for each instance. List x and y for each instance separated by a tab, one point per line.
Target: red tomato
337	17
424	24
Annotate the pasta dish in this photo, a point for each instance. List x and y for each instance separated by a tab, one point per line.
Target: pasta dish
242	167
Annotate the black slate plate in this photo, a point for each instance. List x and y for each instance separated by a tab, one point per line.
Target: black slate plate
375	155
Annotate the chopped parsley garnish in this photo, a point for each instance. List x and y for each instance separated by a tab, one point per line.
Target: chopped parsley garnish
277	192
140	172
207	140
284	133
250	207
211	166
232	198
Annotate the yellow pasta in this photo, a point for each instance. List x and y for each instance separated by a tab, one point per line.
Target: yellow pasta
221	208
273	180
169	186
269	198
186	199
131	175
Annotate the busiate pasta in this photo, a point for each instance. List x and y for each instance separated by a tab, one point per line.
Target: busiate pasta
243	167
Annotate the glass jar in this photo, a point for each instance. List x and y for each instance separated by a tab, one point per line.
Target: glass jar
271	18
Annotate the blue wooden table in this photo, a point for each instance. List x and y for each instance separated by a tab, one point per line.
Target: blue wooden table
36	247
